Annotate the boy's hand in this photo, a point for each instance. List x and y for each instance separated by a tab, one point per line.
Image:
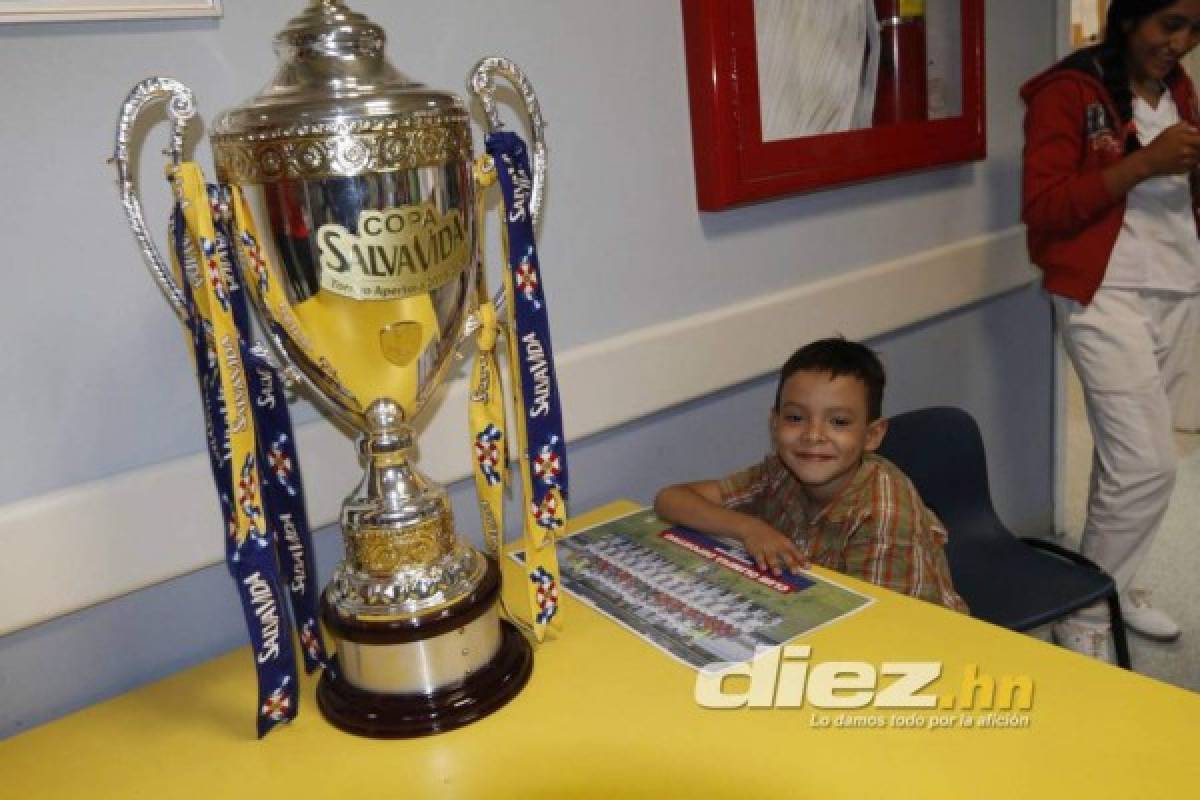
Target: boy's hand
772	551
698	505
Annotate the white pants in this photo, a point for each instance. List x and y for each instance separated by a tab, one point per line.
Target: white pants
1132	350
1186	408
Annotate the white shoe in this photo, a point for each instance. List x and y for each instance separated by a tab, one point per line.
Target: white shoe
1145	619
1090	639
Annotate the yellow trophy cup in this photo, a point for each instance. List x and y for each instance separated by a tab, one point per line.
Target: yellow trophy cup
364	271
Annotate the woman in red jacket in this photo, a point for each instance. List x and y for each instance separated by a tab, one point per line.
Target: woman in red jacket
1112	140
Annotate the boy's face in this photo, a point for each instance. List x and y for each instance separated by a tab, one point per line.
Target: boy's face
821	431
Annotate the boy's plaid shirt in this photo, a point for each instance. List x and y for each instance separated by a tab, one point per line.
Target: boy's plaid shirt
877	529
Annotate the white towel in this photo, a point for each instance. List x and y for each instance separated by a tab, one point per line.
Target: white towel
818	62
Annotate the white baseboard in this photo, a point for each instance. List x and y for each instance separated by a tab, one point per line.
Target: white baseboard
92	542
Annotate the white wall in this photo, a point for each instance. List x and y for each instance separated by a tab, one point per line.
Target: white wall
97	380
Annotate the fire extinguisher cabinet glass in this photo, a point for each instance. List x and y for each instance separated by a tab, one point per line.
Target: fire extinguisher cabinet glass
826	66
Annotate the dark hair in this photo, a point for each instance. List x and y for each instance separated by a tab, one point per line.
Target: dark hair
1123	17
839	357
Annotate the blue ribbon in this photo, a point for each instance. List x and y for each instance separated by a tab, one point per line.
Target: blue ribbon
546	446
279	462
255	563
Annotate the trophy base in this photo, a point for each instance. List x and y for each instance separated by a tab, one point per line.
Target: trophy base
404	716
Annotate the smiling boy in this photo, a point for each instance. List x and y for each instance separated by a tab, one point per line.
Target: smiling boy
823	496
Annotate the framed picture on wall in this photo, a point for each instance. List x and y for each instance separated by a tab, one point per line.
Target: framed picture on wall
79	10
790	96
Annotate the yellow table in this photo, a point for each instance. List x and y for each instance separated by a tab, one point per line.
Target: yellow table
606	715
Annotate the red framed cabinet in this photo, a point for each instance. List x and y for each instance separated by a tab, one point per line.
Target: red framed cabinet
735	164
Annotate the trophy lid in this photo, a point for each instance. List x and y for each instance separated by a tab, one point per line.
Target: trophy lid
334	79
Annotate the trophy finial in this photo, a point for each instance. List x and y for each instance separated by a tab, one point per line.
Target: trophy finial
329	29
333	75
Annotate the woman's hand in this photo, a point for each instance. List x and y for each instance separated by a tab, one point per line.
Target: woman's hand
771	550
1174	151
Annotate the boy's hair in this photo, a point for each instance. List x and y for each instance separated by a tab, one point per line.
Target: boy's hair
839	357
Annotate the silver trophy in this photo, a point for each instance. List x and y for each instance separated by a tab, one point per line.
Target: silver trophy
360	181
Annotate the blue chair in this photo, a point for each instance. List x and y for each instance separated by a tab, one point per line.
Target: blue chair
1018	584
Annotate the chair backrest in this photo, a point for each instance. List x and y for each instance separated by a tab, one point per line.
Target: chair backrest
941	451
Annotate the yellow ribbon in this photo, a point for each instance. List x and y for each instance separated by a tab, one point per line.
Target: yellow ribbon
211	290
485	412
489	435
267	288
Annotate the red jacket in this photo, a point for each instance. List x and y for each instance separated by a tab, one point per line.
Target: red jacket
1071	136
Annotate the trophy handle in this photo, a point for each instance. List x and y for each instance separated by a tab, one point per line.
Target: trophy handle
483	86
181	107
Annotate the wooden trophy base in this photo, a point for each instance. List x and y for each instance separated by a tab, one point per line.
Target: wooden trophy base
404	716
